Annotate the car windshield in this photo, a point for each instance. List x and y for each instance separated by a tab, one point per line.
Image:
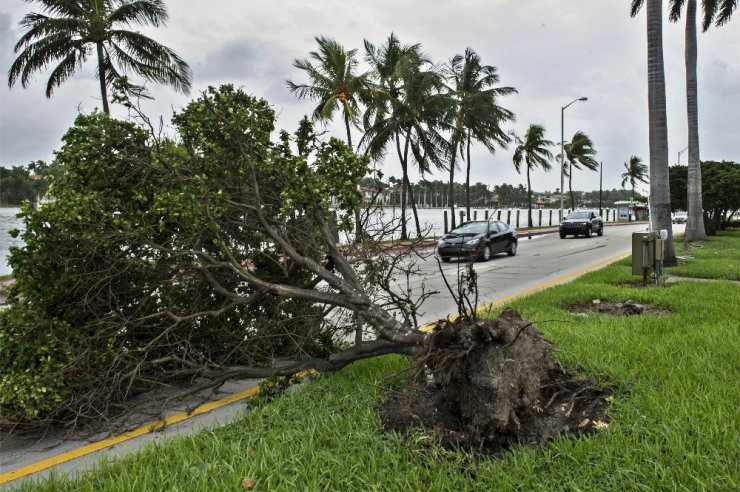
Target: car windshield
471	228
579	215
680	214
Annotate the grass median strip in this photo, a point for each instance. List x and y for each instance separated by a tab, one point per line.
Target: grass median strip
675	417
713	258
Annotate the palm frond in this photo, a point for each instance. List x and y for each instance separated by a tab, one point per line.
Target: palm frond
724	13
63	71
66	8
39	55
65	33
674	9
150	59
140	12
39	27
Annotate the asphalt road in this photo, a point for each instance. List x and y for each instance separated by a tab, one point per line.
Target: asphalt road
541	260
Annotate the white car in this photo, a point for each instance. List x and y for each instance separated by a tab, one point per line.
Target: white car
680	218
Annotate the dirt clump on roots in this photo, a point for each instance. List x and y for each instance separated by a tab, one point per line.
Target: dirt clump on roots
487	385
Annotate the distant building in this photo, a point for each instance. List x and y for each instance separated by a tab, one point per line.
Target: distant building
545	199
386	195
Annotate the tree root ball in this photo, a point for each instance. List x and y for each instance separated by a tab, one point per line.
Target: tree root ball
487	385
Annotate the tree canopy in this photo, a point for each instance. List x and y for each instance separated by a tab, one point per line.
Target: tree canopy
533	150
720	192
29	182
171	260
68	32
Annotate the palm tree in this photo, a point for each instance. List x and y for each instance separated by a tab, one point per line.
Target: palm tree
334	85
390	65
635	171
579	153
405	111
717	12
67	31
660	197
477	116
533	150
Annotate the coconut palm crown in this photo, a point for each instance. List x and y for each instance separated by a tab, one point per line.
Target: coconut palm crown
534	151
477	115
334	83
68	32
406	111
635	171
579	153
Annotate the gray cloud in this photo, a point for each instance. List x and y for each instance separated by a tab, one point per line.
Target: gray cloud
551	51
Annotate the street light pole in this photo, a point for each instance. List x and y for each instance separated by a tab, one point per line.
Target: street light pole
678	159
601	185
562	150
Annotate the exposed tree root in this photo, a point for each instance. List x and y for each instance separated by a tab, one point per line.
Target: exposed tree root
487	385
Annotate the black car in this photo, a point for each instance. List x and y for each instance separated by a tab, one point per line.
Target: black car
583	222
482	238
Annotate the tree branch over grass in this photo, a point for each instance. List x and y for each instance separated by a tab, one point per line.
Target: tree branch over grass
192	262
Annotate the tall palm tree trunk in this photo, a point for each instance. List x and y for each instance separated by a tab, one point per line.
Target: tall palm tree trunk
358	239
695	224
529	199
412	202
407	182
404	231
570	189
660	198
467	179
451	190
101	76
404	188
358	214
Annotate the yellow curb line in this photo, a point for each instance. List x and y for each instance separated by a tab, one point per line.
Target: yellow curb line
207	407
139	431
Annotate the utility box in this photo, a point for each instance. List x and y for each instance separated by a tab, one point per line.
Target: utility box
647	252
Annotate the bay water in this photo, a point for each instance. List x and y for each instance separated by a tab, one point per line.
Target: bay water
432	221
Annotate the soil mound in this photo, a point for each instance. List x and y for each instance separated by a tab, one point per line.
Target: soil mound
626	308
487	385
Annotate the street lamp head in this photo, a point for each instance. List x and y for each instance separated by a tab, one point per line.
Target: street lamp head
583	99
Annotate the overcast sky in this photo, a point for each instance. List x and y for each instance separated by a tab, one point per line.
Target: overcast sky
551	51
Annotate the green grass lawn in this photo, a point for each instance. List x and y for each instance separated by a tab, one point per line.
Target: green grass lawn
675	414
717	257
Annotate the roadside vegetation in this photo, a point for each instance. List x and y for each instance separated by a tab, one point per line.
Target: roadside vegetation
674	418
720	192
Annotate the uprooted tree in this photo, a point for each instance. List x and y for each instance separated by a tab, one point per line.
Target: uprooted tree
217	256
208	257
